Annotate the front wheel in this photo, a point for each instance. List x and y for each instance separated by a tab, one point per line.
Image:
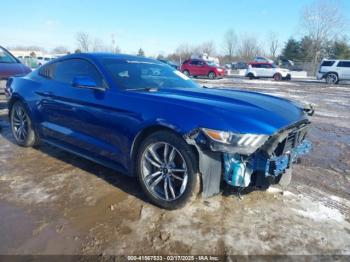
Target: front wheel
21	126
277	77
212	75
167	170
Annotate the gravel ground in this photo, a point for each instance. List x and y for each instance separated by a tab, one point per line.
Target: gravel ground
52	202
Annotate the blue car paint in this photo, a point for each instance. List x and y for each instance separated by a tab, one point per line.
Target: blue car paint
104	124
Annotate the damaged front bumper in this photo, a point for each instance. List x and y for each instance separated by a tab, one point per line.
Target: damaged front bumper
261	168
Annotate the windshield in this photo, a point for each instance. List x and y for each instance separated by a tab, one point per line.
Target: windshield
5	57
143	74
212	63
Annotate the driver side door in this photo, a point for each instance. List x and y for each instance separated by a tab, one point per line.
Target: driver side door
78	117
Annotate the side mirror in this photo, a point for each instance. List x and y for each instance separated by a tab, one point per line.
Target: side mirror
84	82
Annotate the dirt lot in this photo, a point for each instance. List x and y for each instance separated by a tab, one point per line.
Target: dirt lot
52	202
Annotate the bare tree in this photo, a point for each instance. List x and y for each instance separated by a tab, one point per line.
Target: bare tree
322	21
230	43
184	51
207	47
98	45
273	44
60	50
84	42
248	48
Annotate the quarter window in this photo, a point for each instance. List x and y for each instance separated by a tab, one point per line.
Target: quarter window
47	71
67	70
327	63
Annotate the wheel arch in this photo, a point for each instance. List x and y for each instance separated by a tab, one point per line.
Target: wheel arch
331	72
16	98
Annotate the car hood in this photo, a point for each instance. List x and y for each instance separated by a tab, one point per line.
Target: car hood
234	110
11	69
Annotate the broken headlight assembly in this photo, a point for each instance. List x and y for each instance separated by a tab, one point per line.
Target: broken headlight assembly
244	144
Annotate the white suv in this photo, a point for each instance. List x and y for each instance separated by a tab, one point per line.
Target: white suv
268	70
334	70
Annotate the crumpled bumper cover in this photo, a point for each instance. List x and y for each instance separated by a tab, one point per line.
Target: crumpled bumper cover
238	172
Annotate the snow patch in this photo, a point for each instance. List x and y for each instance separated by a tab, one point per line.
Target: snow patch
320	213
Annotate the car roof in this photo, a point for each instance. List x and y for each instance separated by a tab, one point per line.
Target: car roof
260	63
96	56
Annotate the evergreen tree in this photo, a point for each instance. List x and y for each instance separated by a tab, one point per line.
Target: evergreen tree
291	50
340	50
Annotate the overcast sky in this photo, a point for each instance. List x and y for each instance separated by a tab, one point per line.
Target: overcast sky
156	26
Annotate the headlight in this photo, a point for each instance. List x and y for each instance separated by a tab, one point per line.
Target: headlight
235	143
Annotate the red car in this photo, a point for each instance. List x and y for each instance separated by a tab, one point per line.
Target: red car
196	67
10	65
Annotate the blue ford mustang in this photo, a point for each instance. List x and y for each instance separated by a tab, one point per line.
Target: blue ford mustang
143	118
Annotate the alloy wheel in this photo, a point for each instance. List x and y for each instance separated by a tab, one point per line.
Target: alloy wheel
331	79
20	124
164	171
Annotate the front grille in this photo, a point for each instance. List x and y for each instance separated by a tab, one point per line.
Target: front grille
294	138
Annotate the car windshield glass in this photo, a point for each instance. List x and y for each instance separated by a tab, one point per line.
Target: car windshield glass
5	57
141	74
211	63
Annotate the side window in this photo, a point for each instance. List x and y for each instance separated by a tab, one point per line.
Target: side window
256	65
67	70
194	62
344	64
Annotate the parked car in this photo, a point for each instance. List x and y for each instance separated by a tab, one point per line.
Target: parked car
170	63
196	67
41	60
10	65
334	71
262	59
267	70
145	119
239	65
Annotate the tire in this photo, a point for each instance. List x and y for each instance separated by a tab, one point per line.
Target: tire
21	126
332	78
250	76
277	77
212	75
186	73
156	172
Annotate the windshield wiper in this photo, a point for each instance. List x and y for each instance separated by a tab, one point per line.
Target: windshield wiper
149	89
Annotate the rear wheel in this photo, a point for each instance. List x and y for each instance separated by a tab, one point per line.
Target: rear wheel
250	76
21	126
212	75
277	77
186	73
332	78
166	169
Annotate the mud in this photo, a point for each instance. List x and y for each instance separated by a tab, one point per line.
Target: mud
52	202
